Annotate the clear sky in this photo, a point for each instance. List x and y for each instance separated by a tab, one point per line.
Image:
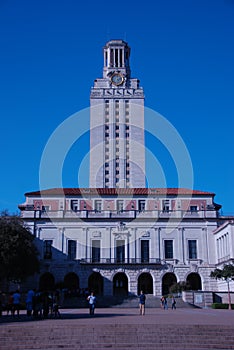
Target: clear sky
51	51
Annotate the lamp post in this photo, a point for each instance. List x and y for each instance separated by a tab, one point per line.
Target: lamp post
229	294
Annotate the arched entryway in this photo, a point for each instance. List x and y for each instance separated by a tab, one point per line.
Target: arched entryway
120	285
145	283
46	282
71	283
194	281
167	282
95	283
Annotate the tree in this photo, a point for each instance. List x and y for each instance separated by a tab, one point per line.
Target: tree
18	254
179	287
225	274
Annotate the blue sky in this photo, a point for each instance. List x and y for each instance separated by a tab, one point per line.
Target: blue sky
51	52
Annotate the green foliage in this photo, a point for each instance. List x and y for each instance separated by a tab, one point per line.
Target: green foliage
221	306
18	254
226	273
179	287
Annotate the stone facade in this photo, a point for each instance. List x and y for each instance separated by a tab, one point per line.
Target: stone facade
85	234
117	146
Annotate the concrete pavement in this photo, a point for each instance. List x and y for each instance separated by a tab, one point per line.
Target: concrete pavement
121	329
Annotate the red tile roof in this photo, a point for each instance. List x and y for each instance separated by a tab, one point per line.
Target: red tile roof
118	191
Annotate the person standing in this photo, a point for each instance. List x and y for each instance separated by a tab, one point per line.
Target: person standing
16	302
29	302
92	303
162	302
142	299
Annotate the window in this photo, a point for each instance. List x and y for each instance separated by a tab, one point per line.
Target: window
45	208
98	205
193	208
120	205
96	250
166	205
120	251
71	249
141	205
74	205
48	249
144	251
168	249
192	247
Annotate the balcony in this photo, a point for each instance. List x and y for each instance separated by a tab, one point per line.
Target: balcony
119	214
155	261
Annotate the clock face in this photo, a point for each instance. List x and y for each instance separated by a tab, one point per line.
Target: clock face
117	79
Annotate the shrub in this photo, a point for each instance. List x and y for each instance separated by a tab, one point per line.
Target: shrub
221	306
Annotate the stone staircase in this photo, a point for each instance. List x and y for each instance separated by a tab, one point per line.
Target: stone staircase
66	334
121	302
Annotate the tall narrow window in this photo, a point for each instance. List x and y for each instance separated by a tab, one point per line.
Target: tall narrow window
120	205
166	205
96	250
141	205
98	205
192	247
48	249
120	251
144	251
71	249
168	249
74	205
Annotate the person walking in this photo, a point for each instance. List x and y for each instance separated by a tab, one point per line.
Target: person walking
92	303
142	299
173	303
165	306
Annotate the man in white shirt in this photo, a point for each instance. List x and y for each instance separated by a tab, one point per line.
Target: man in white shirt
92	302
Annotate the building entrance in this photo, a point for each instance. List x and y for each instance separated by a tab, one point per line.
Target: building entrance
95	283
145	283
120	285
167	282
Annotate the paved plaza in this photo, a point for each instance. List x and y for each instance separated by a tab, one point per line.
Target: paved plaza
116	328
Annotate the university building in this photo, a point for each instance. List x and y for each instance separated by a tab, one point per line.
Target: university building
117	236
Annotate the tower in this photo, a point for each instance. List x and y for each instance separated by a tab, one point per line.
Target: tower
117	148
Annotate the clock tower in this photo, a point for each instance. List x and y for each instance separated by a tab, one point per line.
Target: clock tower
117	147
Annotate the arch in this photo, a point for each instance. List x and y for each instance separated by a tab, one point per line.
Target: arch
120	284
194	281
71	282
46	282
145	283
167	282
95	283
